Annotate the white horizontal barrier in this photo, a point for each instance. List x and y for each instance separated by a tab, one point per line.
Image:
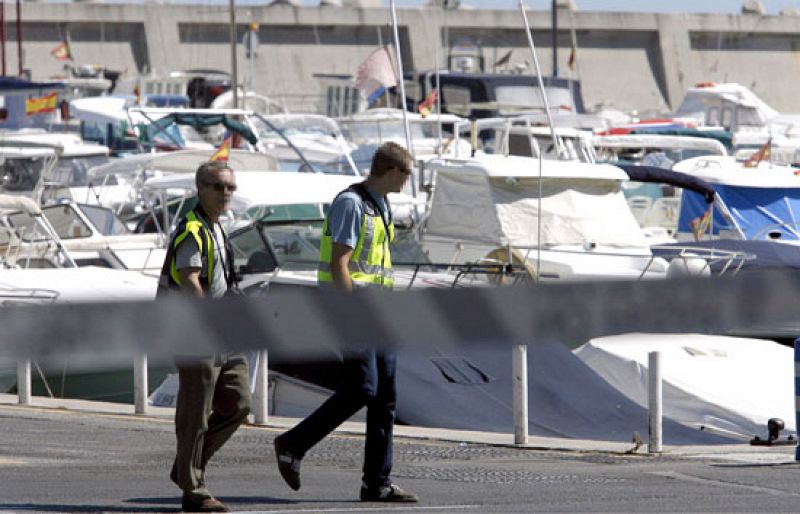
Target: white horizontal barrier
306	323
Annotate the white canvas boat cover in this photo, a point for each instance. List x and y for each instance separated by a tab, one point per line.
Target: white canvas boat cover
19	203
721	383
658	141
182	161
579	203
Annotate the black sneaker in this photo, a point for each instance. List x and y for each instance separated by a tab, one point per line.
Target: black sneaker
388	493
288	464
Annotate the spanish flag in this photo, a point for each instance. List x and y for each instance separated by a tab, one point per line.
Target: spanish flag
702	223
426	106
41	104
62	52
761	155
223	151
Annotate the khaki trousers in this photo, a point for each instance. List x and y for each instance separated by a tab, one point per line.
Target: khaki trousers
213	400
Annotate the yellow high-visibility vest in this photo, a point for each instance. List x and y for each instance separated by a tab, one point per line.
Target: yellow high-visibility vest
194	226
370	264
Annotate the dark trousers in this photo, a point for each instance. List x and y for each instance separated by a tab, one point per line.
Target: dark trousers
213	400
368	379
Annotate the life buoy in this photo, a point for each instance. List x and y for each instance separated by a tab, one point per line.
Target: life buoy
500	256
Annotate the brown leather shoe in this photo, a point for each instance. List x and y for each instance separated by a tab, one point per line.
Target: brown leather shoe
208	504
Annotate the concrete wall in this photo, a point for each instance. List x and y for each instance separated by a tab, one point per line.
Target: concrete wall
632	61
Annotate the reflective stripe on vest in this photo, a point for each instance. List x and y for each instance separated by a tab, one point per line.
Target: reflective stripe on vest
370	264
198	230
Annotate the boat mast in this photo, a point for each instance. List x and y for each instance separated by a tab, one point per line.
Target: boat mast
552	133
401	81
546	102
554	36
19	38
234	78
3	36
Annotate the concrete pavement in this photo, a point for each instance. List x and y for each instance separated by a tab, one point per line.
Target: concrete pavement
79	456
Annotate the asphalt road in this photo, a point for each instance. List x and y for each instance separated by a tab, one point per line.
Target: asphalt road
61	461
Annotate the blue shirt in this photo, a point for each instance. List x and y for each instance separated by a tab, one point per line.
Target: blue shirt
344	217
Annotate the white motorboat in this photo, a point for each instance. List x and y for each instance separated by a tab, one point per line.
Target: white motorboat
751	120
31	243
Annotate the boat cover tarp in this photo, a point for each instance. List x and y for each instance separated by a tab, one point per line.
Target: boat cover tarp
723	136
472	390
500	211
665	176
754	210
198	121
721	383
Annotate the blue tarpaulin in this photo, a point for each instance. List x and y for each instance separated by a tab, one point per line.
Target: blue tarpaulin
753	210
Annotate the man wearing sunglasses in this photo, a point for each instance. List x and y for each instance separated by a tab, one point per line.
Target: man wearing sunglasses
354	254
213	391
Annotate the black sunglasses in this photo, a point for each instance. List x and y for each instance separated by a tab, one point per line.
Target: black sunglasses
220	187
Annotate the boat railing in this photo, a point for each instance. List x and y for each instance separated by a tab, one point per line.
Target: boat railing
26	295
494	273
717	262
685	260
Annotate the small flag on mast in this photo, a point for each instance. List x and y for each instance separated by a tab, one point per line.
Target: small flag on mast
62	52
376	74
425	107
223	151
702	223
573	58
761	155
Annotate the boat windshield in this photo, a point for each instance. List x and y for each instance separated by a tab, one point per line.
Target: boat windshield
68	224
513	99
295	130
379	130
27	228
296	245
21	174
72	171
334	167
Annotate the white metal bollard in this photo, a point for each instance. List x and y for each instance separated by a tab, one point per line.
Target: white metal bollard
261	396
797	391
520	385
140	391
655	398
24	382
